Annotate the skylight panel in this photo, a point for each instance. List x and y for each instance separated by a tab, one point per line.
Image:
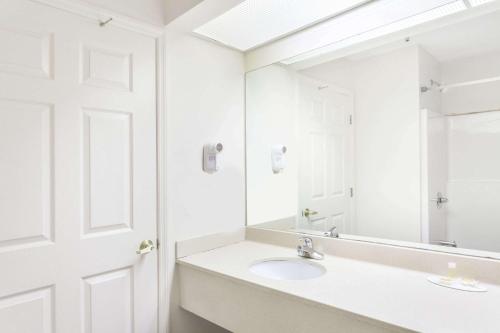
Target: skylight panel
475	3
255	22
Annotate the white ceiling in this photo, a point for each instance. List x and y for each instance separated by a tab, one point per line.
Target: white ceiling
256	22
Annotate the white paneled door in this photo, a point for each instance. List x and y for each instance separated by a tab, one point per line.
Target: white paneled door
77	174
326	158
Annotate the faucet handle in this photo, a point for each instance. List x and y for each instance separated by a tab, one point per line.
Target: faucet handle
306	241
300	251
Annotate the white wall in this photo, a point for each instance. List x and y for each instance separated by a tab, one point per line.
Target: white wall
434	138
387	153
205	103
429	69
271	119
150	11
472	98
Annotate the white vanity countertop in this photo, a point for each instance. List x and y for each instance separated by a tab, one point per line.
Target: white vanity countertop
393	295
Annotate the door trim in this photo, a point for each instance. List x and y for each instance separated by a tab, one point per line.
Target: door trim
424	178
162	183
97	13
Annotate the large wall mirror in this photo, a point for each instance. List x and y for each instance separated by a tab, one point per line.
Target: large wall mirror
386	137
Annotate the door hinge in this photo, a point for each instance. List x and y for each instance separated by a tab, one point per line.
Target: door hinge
351	192
350	119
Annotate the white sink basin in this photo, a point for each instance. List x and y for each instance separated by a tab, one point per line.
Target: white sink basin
287	269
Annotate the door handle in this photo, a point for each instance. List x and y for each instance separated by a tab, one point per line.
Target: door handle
307	212
146	246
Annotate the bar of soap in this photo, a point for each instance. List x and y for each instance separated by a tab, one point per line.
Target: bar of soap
458	284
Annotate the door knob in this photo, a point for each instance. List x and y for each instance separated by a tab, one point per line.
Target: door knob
145	247
307	212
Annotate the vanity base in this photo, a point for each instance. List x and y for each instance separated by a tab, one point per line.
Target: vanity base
246	308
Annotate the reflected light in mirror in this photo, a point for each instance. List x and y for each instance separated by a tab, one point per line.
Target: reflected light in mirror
411	21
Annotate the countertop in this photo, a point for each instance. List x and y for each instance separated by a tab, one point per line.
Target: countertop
392	295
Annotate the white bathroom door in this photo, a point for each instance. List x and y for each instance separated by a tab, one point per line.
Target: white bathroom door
326	158
77	174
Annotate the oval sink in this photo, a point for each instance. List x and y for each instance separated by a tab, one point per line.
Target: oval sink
287	269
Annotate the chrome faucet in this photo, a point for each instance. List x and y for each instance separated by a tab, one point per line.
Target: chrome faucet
305	249
333	233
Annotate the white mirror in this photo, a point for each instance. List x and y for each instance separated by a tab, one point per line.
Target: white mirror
392	134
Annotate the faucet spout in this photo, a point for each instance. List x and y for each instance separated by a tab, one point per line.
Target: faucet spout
333	233
305	249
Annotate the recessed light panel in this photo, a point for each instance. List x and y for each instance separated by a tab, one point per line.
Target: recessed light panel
256	22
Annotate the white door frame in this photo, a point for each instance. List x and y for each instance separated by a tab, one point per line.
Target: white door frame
158	33
424	177
161	146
